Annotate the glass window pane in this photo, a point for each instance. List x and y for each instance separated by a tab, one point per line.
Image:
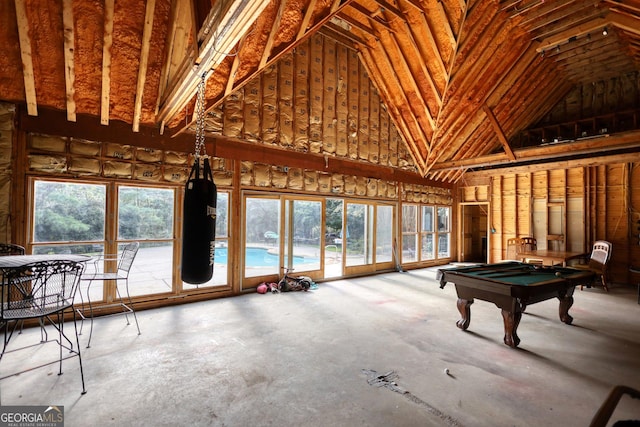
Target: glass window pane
152	269
443	219
262	237
222	215
384	234
427	218
356	234
66	212
409	218
307	229
428	247
409	248
145	213
443	246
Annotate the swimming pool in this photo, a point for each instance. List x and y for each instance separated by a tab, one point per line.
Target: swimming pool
259	257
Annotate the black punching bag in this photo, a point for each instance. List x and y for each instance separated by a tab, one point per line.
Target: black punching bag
199	225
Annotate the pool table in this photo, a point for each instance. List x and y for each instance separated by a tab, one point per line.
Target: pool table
512	286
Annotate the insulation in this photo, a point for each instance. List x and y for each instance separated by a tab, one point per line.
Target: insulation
262	175
147	172
118	151
115	169
222	178
84	166
214	120
246	173
148	155
324	182
350	185
361	186
52	164
341	102
84	147
329	119
175	174
233	115
392	190
278	177
352	104
301	103
295	179
382	188
55	144
269	105
374	126
316	89
337	183
175	158
285	101
252	111
311	180
372	187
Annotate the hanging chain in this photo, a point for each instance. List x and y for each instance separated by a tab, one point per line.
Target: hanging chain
200	116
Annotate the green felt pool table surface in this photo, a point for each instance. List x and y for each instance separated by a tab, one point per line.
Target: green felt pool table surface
516	273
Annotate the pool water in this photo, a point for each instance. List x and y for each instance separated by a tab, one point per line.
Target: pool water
258	257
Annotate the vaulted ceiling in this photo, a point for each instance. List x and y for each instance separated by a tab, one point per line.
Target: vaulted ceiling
460	78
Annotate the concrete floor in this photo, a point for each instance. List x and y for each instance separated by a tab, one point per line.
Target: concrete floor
304	359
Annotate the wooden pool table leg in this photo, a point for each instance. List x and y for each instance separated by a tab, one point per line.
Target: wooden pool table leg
566	301
511	322
465	311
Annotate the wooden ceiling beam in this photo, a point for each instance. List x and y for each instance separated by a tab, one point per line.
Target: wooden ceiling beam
563	37
347	38
27	59
69	61
357	24
144	61
107	42
306	19
625	22
587	147
275	27
499	132
223	28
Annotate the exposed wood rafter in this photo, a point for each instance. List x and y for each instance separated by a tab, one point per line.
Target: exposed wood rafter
27	61
144	60
69	63
107	41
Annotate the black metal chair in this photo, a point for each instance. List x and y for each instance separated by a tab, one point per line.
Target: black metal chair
11	249
125	261
42	291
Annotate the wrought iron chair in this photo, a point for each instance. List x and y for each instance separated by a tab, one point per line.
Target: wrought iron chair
11	249
125	261
48	293
598	262
608	407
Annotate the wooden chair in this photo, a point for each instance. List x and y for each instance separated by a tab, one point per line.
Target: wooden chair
598	261
514	247
530	244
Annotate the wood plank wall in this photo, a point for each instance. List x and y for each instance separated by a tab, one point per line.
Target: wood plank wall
583	204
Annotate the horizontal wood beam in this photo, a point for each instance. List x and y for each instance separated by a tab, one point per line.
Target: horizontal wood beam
552	152
86	127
